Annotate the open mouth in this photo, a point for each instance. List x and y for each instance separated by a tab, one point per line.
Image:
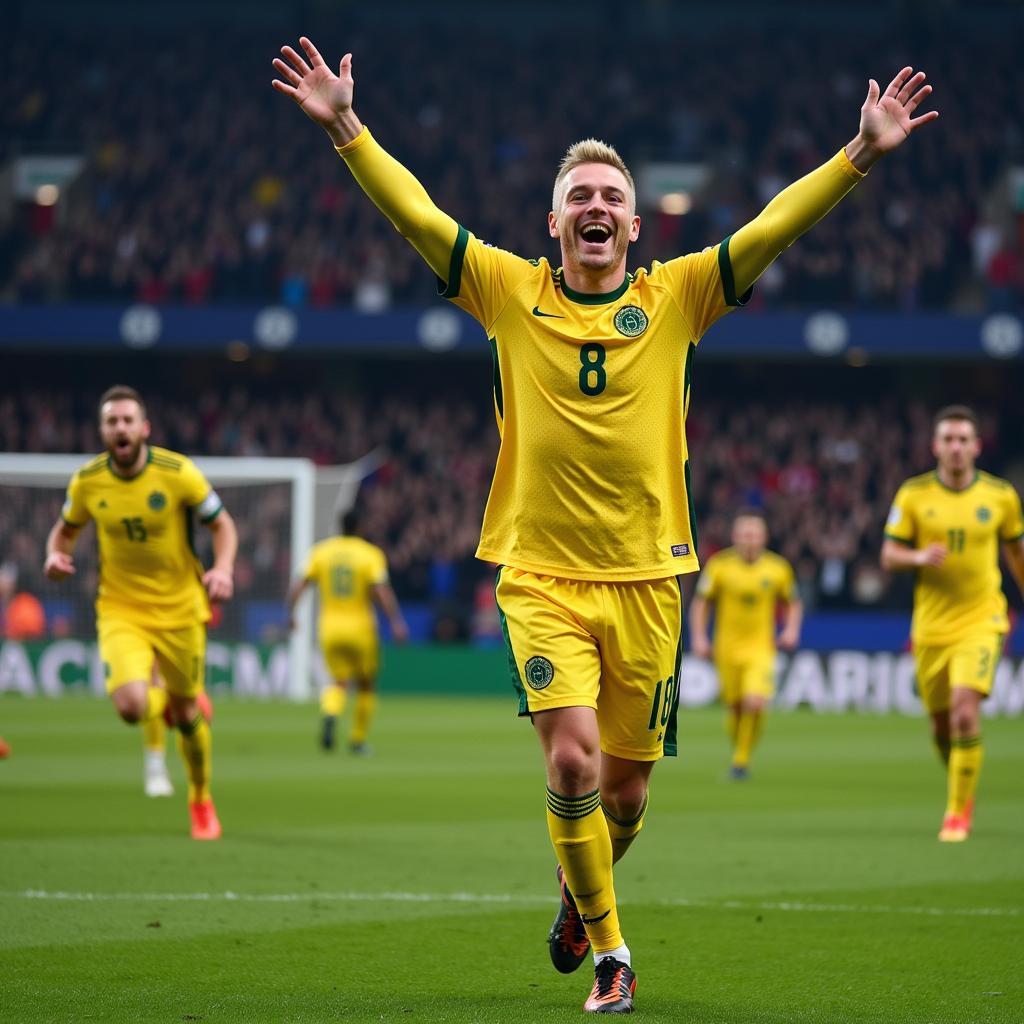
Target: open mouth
595	233
122	446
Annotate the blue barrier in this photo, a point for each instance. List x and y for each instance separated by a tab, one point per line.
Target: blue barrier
442	327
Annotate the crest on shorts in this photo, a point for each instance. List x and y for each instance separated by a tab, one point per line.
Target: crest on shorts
983	514
631	321
539	672
157	500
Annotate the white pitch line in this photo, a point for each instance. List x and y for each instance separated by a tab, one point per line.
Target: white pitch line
508	899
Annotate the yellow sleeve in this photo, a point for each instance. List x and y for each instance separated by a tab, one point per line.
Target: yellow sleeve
482	278
796	209
74	512
476	277
901	525
787	582
197	493
404	201
700	285
1012	527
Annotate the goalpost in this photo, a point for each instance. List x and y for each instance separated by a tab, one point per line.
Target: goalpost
272	499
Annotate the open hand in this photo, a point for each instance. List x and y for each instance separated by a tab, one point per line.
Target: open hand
885	120
325	97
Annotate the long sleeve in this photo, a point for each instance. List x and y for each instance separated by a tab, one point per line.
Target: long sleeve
403	200
792	212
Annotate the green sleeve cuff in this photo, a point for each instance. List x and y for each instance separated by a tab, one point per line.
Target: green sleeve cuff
450	289
899	540
728	282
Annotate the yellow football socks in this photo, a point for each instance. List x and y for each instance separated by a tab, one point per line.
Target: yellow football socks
579	834
195	742
366	703
965	759
332	700
748	728
154	733
622	833
156	702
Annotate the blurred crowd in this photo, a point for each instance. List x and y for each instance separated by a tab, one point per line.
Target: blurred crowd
202	185
823	472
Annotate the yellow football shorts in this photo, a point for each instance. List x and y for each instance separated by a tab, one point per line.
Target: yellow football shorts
350	654
128	651
970	663
614	647
747	677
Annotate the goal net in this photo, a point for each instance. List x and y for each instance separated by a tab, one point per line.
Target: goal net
48	639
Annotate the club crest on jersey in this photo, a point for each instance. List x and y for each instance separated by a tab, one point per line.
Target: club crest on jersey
631	321
680	550
157	500
983	514
539	672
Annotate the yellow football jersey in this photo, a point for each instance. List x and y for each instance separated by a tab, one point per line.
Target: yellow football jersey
149	573
591	394
964	594
745	595
345	570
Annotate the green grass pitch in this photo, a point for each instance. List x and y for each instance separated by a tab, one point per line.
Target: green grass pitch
816	892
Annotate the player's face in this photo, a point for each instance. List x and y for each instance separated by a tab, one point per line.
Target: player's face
749	536
955	446
596	220
124	431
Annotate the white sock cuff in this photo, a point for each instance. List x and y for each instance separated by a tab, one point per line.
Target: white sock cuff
620	953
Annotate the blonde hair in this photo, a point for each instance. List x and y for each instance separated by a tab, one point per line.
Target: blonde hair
590	151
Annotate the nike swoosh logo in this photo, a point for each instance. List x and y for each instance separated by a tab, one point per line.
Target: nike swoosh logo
554	316
594	920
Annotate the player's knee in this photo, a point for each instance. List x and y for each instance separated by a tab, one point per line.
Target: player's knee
964	720
129	707
625	799
572	767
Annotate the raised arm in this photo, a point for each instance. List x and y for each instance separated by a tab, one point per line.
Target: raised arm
326	98
885	123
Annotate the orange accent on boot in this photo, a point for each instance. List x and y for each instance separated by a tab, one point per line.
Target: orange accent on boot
954	829
205	823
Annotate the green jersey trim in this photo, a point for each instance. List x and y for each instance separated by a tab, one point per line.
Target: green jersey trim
899	540
513	668
589	298
951	490
499	400
671	747
450	289
728	281
129	479
690	506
